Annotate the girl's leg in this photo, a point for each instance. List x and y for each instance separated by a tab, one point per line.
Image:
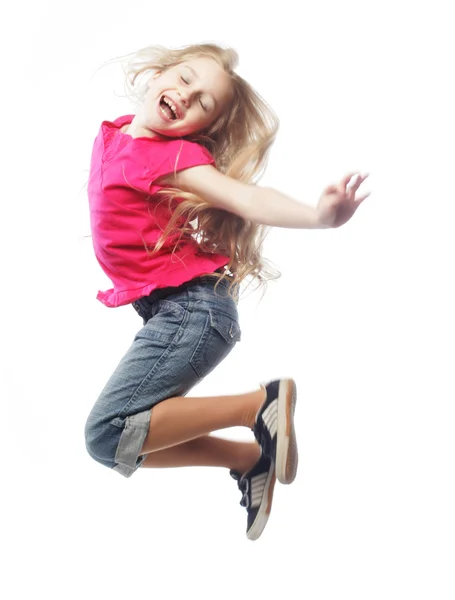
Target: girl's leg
207	451
180	419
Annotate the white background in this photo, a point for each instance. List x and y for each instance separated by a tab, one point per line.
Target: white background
362	318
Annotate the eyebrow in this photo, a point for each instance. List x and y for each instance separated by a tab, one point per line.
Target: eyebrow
197	76
191	69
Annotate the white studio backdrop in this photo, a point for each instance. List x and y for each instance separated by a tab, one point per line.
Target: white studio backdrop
362	317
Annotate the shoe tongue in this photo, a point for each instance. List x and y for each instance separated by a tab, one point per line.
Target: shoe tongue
235	474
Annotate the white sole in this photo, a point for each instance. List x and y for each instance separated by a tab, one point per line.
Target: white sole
265	508
287	457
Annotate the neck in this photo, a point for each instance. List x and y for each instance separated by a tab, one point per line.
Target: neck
136	129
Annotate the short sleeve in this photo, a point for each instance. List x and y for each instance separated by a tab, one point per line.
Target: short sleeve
144	161
166	157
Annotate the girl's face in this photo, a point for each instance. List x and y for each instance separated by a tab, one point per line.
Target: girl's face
186	99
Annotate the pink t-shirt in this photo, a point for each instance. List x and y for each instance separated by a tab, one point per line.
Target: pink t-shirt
125	212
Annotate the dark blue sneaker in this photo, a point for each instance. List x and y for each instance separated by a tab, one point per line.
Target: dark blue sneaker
274	428
257	487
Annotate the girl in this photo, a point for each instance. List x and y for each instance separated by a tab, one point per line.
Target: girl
177	224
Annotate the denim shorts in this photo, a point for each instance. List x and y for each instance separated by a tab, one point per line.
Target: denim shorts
187	331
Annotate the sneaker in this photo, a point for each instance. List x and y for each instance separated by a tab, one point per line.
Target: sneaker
257	487
274	428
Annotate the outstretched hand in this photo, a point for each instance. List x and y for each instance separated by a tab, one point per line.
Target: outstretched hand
338	204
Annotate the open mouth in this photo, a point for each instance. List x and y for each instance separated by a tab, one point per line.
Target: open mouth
168	108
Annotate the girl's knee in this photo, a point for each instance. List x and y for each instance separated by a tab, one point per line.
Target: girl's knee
94	441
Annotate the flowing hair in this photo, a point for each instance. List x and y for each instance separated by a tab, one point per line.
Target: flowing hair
239	141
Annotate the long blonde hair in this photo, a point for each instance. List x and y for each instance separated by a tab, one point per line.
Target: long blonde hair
239	141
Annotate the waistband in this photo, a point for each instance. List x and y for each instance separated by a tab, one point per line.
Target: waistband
161	293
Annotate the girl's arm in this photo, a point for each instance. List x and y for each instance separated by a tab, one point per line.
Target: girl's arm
262	205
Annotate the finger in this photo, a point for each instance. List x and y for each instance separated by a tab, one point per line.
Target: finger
332	189
346	179
352	190
341	187
358	182
360	199
346	187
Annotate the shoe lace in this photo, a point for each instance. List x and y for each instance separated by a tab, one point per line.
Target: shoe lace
244	486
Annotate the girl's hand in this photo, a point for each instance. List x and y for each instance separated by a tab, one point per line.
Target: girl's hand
337	204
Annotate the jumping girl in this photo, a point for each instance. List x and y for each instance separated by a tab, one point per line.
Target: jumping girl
178	223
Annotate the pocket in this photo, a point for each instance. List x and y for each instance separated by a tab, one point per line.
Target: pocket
227	327
219	335
164	321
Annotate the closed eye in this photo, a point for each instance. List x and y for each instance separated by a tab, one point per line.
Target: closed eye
184	80
203	105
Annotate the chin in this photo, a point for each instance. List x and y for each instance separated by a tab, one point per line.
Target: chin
175	133
168	134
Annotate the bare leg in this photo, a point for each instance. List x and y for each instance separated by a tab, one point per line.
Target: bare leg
180	419
207	451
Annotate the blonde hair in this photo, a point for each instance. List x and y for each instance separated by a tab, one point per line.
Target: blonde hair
239	141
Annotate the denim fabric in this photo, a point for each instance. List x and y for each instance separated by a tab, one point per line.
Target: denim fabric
187	331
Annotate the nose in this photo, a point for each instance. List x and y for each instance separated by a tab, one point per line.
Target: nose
185	96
